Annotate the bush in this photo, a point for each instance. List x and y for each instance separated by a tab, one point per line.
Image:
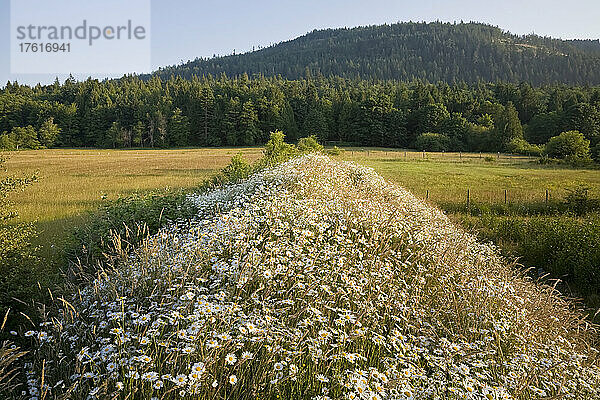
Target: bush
277	150
334	151
237	169
572	146
578	200
521	146
432	142
309	145
545	160
6	142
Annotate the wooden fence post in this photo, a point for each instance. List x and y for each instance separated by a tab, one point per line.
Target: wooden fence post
427	195
546	197
505	196
468	198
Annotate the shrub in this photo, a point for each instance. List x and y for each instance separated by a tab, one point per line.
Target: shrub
334	151
565	246
309	145
545	160
571	145
6	142
277	150
578	200
521	146
432	142
237	169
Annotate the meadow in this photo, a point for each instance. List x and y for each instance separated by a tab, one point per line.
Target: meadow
448	176
247	306
313	279
73	182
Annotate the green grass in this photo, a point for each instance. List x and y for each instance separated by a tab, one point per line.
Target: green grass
447	177
75	181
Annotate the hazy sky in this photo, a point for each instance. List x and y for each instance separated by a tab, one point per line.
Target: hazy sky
186	29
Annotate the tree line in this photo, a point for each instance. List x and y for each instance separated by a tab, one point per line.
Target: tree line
209	111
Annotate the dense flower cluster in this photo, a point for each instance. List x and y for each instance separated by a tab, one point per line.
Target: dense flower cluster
314	280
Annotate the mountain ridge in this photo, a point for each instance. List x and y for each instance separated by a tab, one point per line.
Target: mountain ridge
405	51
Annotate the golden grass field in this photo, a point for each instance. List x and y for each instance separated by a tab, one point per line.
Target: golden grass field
74	181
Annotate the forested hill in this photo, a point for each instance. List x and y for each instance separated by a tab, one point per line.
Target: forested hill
465	52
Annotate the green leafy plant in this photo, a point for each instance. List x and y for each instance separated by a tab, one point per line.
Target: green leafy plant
277	150
309	144
521	146
571	146
128	220
579	200
334	151
18	259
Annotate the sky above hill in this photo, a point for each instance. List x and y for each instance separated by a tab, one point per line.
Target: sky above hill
182	30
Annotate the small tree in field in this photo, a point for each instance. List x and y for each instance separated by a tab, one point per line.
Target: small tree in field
570	145
48	133
24	138
277	150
